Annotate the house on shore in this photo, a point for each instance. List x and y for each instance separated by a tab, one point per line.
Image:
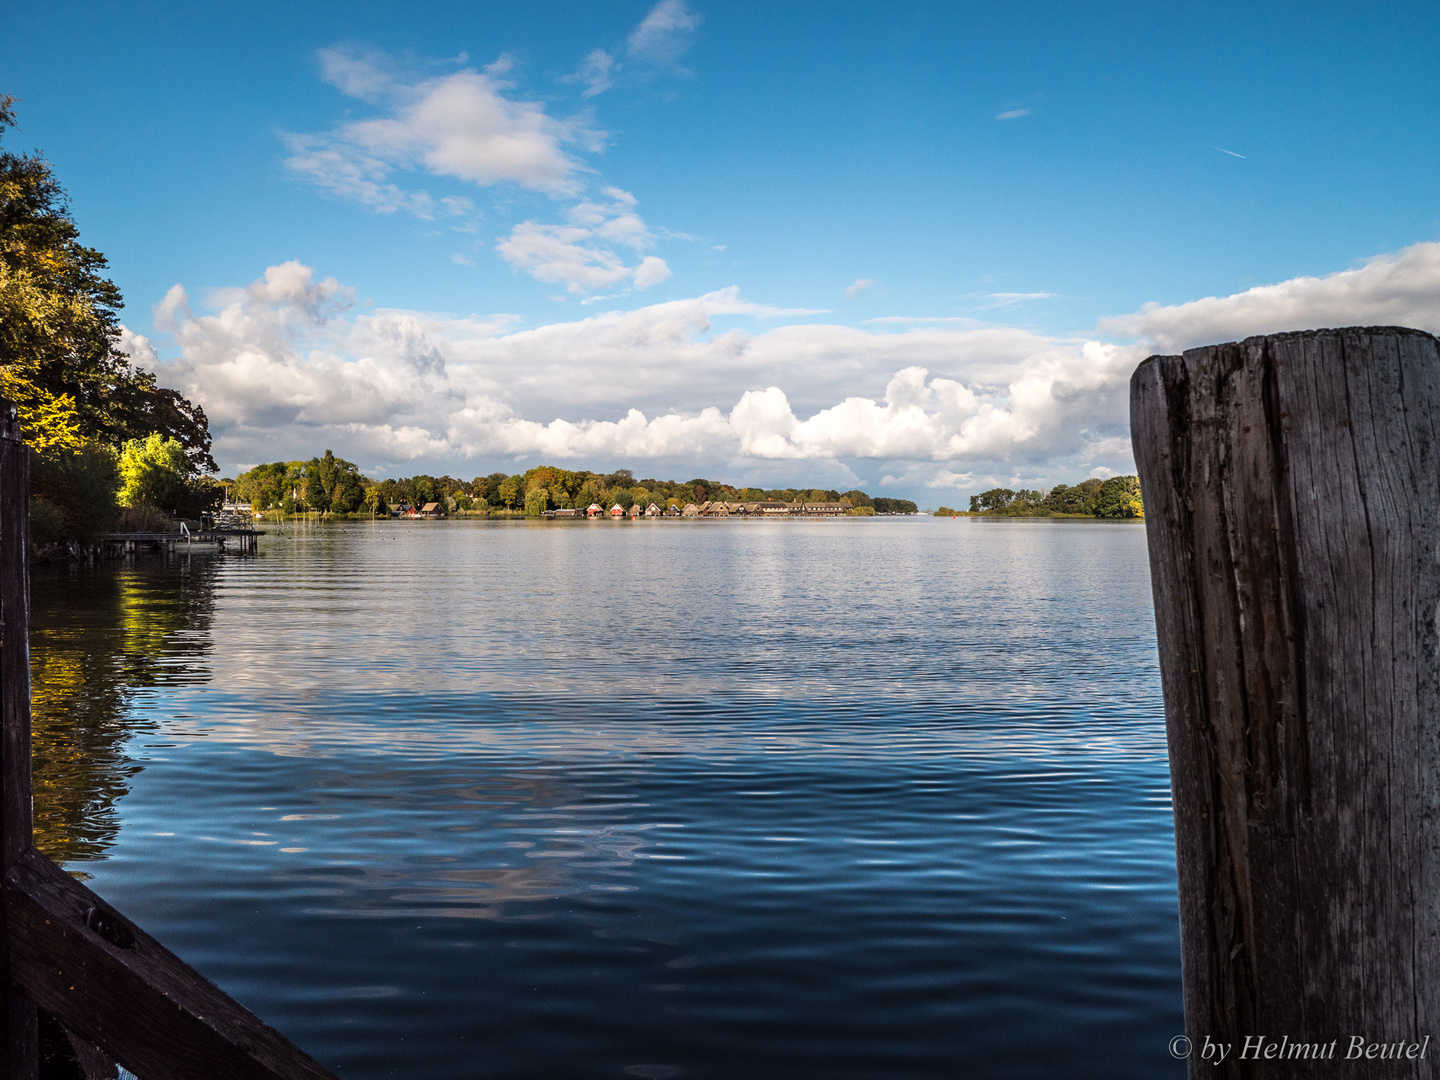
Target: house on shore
617	511
432	510
691	510
652	510
594	510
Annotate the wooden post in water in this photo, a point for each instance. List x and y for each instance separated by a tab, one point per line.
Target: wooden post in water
1292	500
19	1054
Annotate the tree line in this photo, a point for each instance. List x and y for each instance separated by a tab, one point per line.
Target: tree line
1118	497
331	485
107	439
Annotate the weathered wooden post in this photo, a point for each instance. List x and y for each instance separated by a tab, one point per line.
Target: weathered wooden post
1292	499
19	1054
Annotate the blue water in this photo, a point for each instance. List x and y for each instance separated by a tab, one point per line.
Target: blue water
862	798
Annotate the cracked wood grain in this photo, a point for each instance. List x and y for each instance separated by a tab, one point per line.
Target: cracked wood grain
1292	487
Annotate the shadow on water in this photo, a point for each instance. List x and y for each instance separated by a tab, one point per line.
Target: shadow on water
99	638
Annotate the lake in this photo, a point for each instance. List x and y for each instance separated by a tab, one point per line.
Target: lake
823	799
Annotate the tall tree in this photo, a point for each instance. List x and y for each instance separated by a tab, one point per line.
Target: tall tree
60	328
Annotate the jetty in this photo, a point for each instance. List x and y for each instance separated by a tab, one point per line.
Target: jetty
241	541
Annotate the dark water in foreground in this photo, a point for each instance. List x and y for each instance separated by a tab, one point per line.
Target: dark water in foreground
831	799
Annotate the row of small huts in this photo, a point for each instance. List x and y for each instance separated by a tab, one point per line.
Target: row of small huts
711	509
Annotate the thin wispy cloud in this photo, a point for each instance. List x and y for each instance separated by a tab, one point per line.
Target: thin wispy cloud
664	34
1012	114
859	286
1010	299
1230	152
901	320
597	72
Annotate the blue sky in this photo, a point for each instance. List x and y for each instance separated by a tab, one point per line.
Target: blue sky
904	246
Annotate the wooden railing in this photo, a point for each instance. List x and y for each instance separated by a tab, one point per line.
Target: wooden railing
71	966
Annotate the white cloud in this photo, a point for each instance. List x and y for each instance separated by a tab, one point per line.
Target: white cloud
664	34
580	254
597	72
921	320
1401	289
859	286
461	125
1010	299
554	253
1012	114
285	365
651	271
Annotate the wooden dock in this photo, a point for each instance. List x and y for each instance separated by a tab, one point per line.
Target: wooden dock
244	541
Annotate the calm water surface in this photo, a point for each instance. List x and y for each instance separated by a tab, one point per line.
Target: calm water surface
829	799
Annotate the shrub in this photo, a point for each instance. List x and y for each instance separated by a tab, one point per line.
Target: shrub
47	523
80	486
143	519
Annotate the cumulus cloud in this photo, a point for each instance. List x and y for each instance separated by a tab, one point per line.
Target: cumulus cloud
462	125
1402	289
664	34
859	286
580	254
286	364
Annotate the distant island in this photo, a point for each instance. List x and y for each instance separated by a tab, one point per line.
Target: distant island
333	486
1118	497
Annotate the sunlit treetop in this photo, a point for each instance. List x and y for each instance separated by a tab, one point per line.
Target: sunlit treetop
59	327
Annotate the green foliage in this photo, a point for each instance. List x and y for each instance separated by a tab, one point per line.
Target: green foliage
1120	498
81	485
894	506
1079	499
60	328
994	499
509	491
47	523
313	485
944	511
153	472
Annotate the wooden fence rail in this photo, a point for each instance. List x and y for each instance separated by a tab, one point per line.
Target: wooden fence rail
1292	500
120	995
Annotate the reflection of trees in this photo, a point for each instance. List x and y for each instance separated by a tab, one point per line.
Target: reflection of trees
98	637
